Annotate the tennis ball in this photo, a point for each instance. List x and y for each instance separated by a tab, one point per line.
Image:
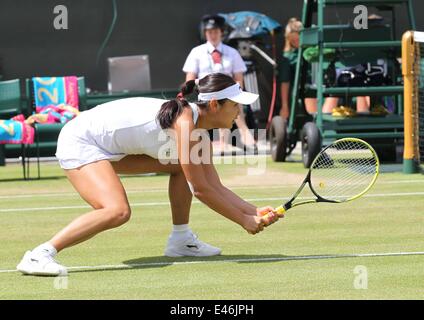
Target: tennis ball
321	185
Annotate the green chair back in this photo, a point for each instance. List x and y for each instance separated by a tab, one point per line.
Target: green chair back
10	99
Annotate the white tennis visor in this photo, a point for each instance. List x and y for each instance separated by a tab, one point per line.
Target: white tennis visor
234	93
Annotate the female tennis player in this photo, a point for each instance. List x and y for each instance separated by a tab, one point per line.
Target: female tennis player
124	136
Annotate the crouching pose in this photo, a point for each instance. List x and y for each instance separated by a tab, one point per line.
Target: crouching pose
126	137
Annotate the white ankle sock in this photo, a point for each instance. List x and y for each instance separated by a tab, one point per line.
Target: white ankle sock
45	248
180	231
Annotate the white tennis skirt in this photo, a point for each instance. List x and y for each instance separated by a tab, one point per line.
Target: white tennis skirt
76	146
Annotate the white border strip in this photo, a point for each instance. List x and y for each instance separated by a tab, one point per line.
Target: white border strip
166	203
217	260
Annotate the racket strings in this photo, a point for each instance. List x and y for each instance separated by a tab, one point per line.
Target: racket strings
343	170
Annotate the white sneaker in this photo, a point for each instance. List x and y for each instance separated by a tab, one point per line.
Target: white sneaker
190	246
40	265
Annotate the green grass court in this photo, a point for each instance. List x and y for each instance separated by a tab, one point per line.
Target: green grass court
296	258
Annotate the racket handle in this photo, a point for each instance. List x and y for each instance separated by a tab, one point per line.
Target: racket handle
280	212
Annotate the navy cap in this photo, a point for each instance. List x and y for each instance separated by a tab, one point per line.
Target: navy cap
213	22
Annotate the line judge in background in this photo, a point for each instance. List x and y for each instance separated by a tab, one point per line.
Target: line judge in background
212	57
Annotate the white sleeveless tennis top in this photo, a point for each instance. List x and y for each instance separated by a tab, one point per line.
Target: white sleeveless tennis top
113	130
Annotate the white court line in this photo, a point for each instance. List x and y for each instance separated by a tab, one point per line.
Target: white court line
158	190
270	259
75	194
163	203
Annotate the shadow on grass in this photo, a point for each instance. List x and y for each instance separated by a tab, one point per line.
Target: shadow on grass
161	262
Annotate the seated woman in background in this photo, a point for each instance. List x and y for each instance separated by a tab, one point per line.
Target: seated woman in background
287	70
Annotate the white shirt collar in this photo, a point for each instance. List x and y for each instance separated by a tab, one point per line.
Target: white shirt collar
211	48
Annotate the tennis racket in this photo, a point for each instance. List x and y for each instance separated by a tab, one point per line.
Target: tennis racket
343	171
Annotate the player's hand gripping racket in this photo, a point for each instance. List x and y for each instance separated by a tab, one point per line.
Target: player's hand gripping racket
341	172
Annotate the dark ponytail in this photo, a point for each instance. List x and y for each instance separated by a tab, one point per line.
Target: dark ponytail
169	111
189	88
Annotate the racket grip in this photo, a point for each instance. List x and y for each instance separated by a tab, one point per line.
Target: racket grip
279	210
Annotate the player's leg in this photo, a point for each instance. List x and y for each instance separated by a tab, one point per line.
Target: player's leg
100	187
182	241
98	184
179	193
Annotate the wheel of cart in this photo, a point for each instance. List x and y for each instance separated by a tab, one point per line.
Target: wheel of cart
311	143
283	139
